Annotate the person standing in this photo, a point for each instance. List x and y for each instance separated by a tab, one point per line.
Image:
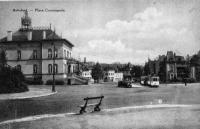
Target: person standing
185	81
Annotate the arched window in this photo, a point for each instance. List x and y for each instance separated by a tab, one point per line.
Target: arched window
56	68
50	68
64	53
56	53
19	67
34	54
18	54
34	68
65	68
49	53
67	54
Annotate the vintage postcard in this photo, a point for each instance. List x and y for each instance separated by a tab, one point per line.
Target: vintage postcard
100	64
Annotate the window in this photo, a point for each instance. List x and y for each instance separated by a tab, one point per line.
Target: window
18	54
50	68
55	68
34	68
55	53
67	54
64	53
49	53
19	67
73	68
155	79
65	68
34	54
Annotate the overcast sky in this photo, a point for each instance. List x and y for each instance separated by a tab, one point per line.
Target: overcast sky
115	30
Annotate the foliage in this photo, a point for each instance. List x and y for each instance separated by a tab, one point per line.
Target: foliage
195	60
12	81
146	69
198	73
97	72
107	67
3	60
57	82
162	71
136	71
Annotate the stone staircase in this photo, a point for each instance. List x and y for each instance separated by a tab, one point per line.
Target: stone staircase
76	80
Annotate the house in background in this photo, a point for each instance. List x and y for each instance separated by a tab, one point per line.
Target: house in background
195	66
32	49
118	77
87	74
112	76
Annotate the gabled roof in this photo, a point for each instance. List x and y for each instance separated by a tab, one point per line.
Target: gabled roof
37	35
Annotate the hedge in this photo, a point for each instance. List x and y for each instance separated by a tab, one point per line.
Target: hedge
57	82
12	80
34	82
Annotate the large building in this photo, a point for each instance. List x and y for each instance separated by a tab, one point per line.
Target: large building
171	67
176	66
33	50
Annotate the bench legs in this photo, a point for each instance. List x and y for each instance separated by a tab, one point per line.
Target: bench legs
97	108
82	110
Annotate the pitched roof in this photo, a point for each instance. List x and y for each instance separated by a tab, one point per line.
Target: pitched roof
37	35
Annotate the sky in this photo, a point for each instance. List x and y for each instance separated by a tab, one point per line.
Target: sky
110	31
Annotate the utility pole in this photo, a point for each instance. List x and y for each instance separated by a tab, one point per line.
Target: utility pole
53	86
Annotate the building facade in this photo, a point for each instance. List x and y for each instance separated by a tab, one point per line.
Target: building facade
112	76
171	67
38	51
118	77
87	74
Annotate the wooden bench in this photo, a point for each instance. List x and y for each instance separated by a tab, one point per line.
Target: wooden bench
96	105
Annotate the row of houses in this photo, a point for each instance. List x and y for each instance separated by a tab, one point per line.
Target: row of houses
109	76
112	76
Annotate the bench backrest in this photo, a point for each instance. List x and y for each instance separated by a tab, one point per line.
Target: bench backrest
90	98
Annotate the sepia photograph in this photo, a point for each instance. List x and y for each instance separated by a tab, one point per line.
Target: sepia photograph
100	64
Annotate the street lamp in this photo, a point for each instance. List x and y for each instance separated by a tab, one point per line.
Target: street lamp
53	85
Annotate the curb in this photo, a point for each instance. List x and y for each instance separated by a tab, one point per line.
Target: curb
26	97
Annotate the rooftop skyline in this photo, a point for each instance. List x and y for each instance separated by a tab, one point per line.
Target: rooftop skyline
116	30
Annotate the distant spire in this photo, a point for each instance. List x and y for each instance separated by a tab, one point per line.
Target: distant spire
25	21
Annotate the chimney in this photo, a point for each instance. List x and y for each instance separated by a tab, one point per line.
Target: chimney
44	35
29	36
9	36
